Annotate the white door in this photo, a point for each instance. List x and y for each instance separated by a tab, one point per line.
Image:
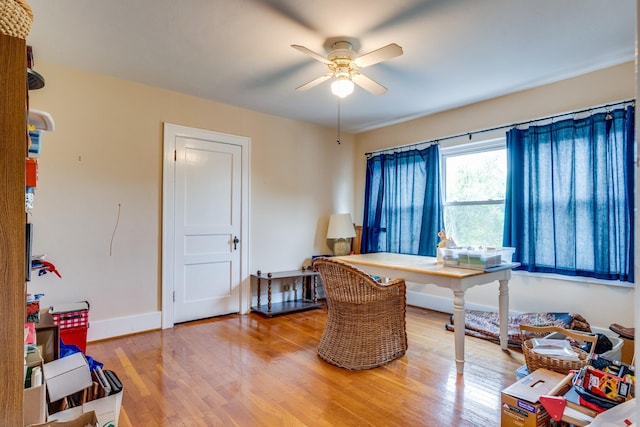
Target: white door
207	223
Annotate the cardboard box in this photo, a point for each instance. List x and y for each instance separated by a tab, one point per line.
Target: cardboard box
106	410
520	401
84	420
35	405
627	352
66	376
34	398
69	375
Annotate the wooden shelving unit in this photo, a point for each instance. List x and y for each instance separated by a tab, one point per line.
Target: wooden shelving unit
13	125
308	279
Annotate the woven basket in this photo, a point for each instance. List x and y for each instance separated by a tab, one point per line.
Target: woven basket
15	18
535	360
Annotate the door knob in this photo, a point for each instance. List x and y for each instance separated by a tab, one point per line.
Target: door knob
235	243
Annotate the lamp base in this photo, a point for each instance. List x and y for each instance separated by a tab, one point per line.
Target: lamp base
342	247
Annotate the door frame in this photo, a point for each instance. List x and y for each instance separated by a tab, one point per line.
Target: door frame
170	132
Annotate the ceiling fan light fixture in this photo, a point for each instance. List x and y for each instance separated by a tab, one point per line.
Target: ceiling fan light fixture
345	64
342	87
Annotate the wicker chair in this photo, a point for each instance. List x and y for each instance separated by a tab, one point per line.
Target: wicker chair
366	320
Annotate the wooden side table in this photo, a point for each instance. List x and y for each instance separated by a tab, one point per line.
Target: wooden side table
308	279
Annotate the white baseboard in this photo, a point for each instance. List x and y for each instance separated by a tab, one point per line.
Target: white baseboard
110	328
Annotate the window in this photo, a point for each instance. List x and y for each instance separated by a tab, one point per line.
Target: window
561	194
474	182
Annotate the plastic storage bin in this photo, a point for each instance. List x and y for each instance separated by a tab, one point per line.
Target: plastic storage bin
476	258
522	372
506	254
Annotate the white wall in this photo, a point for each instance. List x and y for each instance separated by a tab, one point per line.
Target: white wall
600	304
106	151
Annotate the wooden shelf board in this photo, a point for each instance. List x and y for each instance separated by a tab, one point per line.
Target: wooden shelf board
286	307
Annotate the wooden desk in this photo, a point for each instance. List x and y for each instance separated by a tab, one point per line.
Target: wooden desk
422	269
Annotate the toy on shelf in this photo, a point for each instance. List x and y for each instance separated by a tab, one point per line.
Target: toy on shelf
445	242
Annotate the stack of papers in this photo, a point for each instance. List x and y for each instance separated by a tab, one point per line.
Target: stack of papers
560	349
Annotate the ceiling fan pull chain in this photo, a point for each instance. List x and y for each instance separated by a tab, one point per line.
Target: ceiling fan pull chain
338	121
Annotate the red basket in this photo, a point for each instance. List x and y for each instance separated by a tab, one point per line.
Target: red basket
75	336
71	319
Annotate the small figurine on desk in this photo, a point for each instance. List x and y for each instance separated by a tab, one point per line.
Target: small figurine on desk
445	242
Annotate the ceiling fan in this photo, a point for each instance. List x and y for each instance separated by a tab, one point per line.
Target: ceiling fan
345	64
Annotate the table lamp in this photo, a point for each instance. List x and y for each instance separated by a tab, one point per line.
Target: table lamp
341	231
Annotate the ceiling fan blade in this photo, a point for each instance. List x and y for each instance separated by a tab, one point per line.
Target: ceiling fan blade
387	52
312	54
315	82
368	84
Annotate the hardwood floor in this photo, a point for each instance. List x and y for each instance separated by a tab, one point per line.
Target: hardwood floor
254	371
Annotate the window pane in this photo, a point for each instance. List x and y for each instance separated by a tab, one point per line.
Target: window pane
475	224
476	176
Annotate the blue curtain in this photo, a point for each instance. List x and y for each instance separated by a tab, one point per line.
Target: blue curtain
403	203
570	196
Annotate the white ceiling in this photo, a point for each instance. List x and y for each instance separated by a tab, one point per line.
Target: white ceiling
238	52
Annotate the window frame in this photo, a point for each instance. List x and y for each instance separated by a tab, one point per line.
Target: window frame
465	148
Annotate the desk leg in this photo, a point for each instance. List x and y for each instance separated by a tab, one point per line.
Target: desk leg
503	302
458	321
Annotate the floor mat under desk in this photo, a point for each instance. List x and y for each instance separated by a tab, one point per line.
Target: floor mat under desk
486	324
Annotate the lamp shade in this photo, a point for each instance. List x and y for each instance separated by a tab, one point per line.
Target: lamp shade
340	227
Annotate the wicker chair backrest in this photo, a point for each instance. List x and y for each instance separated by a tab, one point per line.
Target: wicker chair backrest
344	282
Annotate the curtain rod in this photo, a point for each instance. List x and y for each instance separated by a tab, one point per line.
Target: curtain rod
459	135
